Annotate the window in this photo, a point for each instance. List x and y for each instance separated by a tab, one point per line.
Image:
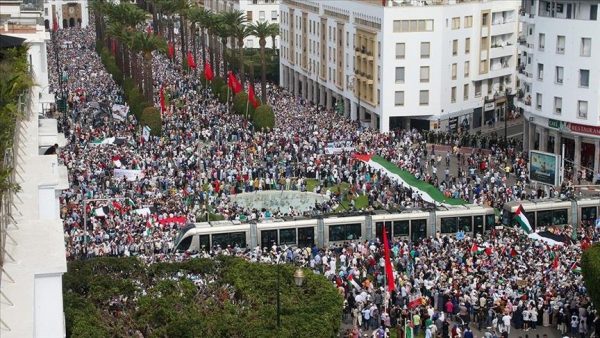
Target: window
477	88
454	71
425	50
467	45
261	15
557	105
399	98
490	84
484	19
404	26
399	74
482	66
454	47
273	15
287	236
449	225
588	214
249	16
344	232
453	95
582	108
424	97
560	44
594	12
231	238
586	47
424	74
559	74
468	21
456	23
466	92
540	72
400	50
584	78
467	68
250	43
538	101
400	228
542	41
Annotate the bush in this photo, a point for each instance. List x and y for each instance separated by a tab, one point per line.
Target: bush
590	267
241	104
136	100
216	84
264	117
222	93
151	118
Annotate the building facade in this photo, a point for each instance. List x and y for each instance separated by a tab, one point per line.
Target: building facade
32	249
70	13
255	10
559	77
397	64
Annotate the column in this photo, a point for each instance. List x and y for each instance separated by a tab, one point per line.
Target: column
353	114
309	90
329	101
557	143
526	138
596	156
321	95
304	87
531	135
347	107
296	85
543	138
577	156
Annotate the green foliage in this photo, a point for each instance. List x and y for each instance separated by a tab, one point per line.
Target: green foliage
240	303
151	118
109	63
135	98
240	104
223	93
216	84
264	117
252	59
590	267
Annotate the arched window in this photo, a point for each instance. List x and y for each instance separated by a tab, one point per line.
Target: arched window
71	22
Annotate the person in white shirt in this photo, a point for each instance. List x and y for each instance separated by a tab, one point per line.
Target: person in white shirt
506	322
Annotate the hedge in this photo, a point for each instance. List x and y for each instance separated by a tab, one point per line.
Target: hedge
590	267
241	302
216	84
151	118
240	104
264	117
222	93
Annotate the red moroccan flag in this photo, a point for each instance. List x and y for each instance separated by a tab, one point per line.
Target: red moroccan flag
555	263
233	83
389	273
55	23
114	47
252	96
208	72
171	50
190	60
163	106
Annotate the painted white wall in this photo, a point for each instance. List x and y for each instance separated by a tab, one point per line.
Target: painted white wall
48	303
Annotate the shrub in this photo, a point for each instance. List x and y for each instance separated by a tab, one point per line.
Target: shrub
590	267
241	104
151	118
216	84
264	117
222	93
136	100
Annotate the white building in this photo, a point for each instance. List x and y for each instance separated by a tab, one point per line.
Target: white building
559	76
423	64
255	10
70	13
32	250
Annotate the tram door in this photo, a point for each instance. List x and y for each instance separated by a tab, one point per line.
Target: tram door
418	229
306	237
379	230
478	225
268	238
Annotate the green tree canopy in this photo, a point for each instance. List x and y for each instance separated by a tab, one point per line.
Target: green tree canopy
590	267
264	117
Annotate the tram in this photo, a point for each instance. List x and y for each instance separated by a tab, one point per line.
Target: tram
542	213
322	231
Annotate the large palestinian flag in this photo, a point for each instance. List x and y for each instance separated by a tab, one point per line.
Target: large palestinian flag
428	192
522	220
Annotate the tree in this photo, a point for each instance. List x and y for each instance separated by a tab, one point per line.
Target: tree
274	28
213	22
151	117
240	30
590	267
146	44
223	31
262	30
264	118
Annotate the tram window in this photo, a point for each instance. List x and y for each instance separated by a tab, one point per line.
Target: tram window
560	217
306	237
204	242
287	236
544	218
478	227
229	238
531	218
401	228
185	243
449	225
465	223
268	238
344	232
588	214
379	230
418	229
490	222
507	217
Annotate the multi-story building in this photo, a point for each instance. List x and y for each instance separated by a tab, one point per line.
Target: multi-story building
559	78
453	61
32	249
70	13
255	10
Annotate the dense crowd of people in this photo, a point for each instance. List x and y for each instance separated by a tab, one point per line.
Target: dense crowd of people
205	155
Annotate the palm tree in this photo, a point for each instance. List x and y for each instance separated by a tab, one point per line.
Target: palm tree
240	31
203	18
181	8
223	32
274	28
262	30
124	20
146	44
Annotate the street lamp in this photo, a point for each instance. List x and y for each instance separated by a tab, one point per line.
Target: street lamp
299	277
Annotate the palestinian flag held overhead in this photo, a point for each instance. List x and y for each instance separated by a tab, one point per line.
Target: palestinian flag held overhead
575	268
522	220
130	202
101	212
476	249
117	161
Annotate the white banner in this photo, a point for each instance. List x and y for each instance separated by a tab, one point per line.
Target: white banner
119	112
130	174
337	147
146	133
